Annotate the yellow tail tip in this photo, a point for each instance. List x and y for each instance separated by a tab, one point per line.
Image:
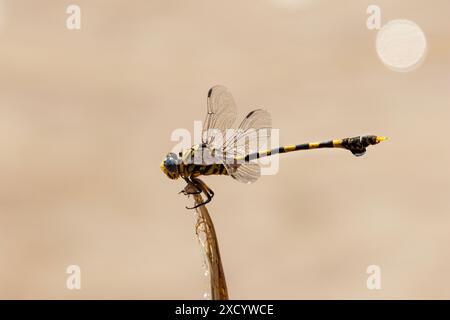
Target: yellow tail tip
379	139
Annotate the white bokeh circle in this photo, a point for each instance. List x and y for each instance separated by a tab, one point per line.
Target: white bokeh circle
401	45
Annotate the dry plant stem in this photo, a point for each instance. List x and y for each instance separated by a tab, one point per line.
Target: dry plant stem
219	289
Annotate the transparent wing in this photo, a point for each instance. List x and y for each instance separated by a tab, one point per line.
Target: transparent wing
246	172
221	116
252	135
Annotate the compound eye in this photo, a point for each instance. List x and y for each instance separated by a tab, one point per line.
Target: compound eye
170	165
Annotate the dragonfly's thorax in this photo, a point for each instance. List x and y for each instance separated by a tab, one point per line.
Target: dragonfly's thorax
200	160
195	161
195	170
200	154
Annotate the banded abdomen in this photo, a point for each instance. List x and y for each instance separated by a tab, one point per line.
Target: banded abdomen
356	145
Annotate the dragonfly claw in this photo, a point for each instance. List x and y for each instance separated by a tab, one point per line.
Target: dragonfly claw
197	205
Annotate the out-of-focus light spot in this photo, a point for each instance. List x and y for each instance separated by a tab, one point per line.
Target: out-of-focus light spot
401	45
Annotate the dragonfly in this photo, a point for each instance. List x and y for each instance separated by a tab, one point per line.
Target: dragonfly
237	156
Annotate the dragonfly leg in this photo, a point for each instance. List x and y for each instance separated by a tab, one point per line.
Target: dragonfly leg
205	189
190	188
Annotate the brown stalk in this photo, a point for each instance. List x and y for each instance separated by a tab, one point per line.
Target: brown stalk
204	224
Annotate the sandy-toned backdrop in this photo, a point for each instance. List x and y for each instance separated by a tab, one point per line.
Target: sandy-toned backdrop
86	117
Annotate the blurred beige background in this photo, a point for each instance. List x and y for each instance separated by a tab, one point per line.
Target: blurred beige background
86	117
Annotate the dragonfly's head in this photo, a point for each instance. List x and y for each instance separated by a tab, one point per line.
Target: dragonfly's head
170	166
